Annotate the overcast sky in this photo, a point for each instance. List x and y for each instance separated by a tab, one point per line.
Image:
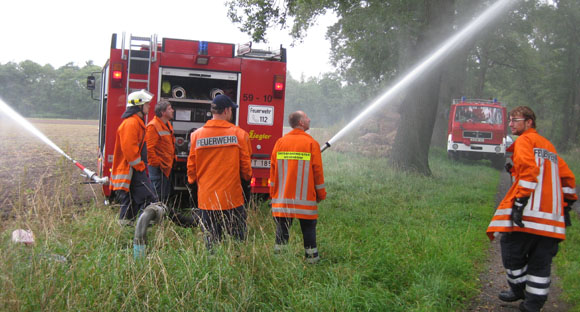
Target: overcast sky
61	31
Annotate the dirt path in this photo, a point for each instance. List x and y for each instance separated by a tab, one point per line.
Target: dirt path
493	279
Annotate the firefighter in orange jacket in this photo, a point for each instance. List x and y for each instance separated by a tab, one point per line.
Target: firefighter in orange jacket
534	213
161	149
297	184
219	158
129	178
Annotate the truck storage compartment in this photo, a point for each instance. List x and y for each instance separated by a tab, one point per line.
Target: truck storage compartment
190	93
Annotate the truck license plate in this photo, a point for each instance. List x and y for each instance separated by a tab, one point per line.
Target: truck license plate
477	139
260	163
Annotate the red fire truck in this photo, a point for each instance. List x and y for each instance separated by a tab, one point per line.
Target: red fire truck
189	74
478	130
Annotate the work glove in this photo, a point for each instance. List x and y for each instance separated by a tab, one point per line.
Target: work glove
567	209
518	210
508	167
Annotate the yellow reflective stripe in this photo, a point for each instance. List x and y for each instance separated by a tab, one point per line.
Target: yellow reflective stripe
293	155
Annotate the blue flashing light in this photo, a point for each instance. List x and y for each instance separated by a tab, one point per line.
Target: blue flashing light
463	98
202	48
495	100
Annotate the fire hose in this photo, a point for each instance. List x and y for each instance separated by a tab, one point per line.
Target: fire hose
154	212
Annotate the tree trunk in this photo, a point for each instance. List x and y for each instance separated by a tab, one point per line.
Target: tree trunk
419	109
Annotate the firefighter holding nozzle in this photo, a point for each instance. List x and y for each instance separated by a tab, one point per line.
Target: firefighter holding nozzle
297	185
219	158
129	178
534	214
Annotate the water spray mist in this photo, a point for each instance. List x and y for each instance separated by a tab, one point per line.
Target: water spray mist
435	57
8	111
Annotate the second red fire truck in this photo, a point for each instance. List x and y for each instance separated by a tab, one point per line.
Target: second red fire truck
478	130
189	74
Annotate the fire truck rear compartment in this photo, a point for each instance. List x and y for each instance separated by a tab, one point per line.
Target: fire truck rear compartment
190	93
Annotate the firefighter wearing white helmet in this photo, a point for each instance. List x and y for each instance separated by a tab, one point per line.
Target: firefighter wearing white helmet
129	179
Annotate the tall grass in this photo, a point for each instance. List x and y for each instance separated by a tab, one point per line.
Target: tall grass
567	261
389	241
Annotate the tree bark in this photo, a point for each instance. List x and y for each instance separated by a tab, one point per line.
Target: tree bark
419	109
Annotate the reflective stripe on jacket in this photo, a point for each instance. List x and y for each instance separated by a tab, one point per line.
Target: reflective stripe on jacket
296	176
219	158
545	178
160	145
127	154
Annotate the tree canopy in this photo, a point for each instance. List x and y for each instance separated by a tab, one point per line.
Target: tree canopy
527	57
43	91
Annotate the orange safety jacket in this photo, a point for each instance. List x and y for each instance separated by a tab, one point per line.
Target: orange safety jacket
127	154
160	145
219	156
296	176
545	178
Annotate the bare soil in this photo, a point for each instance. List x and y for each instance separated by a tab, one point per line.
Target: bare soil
26	163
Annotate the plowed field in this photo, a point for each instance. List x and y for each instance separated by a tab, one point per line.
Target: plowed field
27	163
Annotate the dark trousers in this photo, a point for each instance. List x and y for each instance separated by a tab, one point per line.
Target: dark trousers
160	182
141	193
214	222
527	259
308	228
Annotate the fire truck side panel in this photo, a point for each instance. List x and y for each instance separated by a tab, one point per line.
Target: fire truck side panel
261	114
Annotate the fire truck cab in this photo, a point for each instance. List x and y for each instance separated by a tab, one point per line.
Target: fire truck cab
477	130
189	74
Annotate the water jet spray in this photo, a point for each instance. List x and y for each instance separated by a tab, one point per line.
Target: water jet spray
419	70
91	175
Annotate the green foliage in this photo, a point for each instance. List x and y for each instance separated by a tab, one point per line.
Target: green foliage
388	240
42	91
325	99
567	265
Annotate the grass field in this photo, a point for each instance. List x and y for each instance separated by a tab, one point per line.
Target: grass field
389	241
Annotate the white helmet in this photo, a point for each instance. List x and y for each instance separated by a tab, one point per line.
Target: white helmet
139	98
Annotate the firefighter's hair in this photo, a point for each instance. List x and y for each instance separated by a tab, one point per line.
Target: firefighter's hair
215	110
160	107
525	112
295	118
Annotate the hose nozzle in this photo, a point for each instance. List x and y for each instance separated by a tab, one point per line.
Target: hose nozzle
92	175
326	145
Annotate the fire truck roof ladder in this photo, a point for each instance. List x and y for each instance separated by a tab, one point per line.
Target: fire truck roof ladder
139	46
